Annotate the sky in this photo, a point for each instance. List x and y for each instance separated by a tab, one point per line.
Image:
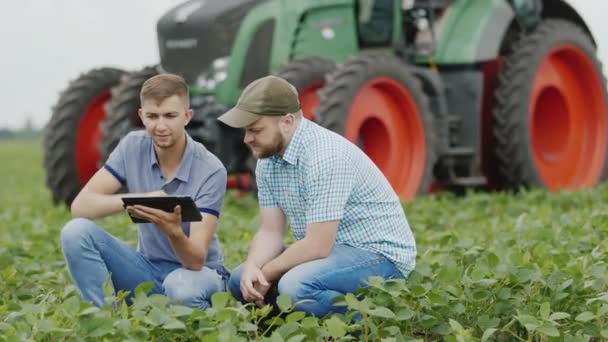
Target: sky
47	43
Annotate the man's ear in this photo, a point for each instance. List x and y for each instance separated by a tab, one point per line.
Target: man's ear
188	116
140	113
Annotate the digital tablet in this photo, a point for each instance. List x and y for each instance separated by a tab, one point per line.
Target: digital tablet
190	212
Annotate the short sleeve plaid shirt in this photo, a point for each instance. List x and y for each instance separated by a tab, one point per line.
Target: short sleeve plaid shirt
324	177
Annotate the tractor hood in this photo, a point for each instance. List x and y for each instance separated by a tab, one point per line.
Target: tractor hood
195	33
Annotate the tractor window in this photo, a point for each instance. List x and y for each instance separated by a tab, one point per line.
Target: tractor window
375	22
257	61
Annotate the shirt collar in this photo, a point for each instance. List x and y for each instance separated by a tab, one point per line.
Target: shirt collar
183	171
296	145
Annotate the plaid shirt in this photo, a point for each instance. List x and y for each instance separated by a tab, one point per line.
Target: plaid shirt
324	177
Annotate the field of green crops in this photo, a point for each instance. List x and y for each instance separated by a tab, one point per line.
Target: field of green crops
491	266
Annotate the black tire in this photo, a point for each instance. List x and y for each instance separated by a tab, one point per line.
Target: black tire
307	74
514	150
204	126
344	84
122	110
62	172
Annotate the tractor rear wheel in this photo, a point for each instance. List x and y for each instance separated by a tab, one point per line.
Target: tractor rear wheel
551	113
122	110
307	75
73	133
375	102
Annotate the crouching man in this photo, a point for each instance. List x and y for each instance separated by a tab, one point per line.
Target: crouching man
183	260
348	222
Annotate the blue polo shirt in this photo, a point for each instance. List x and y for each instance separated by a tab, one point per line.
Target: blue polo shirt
200	175
324	177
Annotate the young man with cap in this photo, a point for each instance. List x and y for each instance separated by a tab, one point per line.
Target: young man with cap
182	260
347	220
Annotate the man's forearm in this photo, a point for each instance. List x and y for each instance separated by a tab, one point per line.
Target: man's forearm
103	205
191	257
300	252
265	247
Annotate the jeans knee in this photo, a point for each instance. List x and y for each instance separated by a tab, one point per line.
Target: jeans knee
75	231
180	287
298	289
234	283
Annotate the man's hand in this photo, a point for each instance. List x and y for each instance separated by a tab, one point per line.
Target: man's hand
253	284
169	223
263	290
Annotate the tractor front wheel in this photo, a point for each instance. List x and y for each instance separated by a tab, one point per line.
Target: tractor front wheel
307	75
377	103
551	114
73	133
122	110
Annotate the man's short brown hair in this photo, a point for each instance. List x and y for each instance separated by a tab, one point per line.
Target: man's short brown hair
160	87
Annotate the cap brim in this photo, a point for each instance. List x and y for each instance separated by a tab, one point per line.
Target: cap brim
238	118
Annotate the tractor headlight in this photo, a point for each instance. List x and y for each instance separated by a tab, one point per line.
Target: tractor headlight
215	75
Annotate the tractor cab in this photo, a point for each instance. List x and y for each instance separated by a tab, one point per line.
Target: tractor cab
195	38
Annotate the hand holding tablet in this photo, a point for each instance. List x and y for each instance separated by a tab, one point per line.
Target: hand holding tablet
190	212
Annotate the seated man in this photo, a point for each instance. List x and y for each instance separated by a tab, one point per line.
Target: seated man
348	222
183	260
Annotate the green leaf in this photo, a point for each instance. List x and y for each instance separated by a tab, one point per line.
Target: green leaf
335	327
556	316
604	333
88	311
247	327
418	290
548	329
122	325
181	311
144	288
219	300
456	327
71	306
487	334
404	314
287	329
545	310
174	324
352	301
297	338
585	316
295	316
530	322
485	322
493	260
381	312
284	303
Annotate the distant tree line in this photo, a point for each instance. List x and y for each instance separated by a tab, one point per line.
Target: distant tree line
23	133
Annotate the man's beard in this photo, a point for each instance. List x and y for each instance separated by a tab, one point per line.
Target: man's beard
276	146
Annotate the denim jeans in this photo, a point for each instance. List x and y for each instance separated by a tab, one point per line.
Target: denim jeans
92	254
343	271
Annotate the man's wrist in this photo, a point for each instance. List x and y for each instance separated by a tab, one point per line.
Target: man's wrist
175	233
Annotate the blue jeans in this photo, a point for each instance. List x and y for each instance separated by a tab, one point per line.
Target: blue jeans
343	271
92	254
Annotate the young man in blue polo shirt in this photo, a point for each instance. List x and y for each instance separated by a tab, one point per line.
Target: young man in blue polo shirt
347	220
183	260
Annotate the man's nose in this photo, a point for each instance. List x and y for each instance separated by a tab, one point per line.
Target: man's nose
248	138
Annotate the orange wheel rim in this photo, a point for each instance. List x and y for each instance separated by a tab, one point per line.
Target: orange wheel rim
568	126
309	100
384	121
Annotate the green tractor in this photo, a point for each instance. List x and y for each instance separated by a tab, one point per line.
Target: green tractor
441	94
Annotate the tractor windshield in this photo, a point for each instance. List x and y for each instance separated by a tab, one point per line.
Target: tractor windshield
196	33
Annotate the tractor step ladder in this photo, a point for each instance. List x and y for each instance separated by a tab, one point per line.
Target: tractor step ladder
459	157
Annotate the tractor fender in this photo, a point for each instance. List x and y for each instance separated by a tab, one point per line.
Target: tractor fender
473	31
